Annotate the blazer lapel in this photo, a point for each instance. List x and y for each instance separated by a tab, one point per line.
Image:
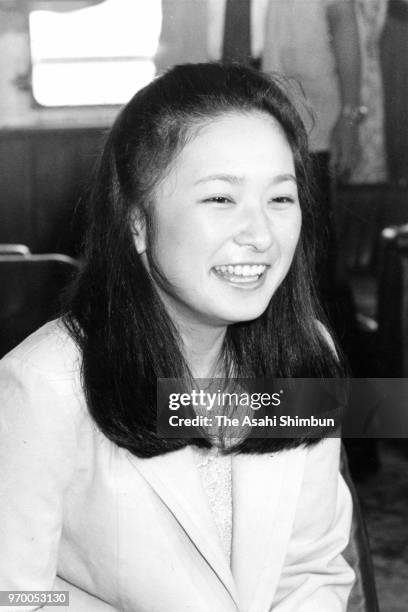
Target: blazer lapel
265	492
175	479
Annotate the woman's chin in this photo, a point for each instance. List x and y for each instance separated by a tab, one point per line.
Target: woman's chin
232	317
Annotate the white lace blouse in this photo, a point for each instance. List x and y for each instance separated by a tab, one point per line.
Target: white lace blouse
214	469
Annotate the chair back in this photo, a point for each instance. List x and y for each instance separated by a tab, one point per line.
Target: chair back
14	249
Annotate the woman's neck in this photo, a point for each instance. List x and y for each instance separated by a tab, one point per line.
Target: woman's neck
202	340
203	348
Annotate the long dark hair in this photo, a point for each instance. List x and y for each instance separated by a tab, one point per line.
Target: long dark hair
126	337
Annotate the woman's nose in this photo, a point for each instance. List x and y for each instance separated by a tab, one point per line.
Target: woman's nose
254	230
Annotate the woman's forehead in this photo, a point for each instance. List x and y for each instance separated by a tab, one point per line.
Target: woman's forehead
234	142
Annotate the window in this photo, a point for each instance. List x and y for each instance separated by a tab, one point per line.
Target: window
96	55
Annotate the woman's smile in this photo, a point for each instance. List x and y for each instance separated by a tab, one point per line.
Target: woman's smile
243	276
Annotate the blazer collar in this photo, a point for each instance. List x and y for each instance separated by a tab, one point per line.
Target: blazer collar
175	479
265	490
265	493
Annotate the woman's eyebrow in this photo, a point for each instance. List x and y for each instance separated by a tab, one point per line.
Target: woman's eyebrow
239	180
229	178
282	178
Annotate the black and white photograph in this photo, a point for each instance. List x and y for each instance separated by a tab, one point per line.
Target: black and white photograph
204	305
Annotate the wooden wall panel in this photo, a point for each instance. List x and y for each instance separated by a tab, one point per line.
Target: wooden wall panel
43	174
16	224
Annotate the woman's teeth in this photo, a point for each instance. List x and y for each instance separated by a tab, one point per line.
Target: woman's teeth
240	273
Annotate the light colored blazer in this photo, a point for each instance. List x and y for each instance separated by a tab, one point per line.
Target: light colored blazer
123	533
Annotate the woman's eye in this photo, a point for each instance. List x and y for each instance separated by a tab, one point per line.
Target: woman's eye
219	199
283	200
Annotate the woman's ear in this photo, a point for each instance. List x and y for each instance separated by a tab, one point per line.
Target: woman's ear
139	232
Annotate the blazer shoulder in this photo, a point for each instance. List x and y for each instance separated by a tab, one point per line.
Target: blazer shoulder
50	350
44	372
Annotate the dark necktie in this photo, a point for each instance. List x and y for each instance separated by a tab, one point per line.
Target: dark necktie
237	46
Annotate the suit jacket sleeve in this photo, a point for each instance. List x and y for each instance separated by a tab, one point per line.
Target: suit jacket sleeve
315	576
37	452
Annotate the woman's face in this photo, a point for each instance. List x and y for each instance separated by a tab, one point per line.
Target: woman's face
227	220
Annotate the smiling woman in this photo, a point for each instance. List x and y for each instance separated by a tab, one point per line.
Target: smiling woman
197	263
